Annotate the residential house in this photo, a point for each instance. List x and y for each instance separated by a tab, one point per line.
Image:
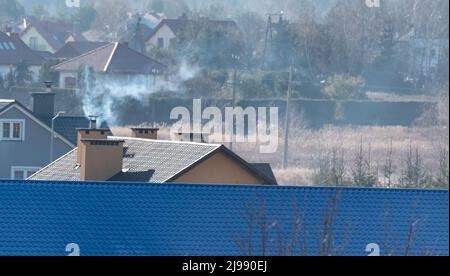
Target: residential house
55	218
49	36
77	48
25	136
139	27
13	51
168	30
111	61
144	158
424	54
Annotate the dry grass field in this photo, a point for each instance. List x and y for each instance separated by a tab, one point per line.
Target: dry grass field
420	151
306	147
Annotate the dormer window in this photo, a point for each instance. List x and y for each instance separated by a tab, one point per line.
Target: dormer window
12	130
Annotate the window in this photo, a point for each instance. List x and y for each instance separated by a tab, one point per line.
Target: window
70	82
12	130
22	173
160	43
33	43
12	46
5	45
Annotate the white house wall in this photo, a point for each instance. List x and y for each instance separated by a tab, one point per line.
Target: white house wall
164	32
42	44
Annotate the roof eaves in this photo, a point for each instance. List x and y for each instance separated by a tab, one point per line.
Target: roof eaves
51	164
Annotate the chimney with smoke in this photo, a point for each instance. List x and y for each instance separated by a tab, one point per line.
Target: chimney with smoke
145	133
89	133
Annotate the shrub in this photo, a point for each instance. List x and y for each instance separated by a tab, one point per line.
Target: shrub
252	86
343	87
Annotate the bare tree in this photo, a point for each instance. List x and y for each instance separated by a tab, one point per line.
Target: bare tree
414	174
442	177
389	167
364	174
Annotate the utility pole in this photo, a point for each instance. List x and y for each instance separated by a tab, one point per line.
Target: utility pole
236	59
287	119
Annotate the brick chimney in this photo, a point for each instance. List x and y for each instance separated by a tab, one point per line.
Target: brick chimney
44	103
144	133
101	159
90	133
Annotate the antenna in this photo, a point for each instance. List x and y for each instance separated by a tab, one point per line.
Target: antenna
268	43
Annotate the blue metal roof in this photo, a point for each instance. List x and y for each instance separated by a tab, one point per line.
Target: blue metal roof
41	218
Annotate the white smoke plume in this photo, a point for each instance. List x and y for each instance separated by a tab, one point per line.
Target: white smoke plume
99	96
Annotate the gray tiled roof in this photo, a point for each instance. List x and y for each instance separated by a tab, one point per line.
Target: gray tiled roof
113	58
153	161
57	33
144	161
77	48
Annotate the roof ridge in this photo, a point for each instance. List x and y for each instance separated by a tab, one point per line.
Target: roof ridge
163	141
83	55
113	52
194	185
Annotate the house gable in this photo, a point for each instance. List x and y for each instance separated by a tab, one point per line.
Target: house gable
33	149
41	43
163	32
219	168
33	118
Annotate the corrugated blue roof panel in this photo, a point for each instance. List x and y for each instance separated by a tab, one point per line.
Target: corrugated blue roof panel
41	218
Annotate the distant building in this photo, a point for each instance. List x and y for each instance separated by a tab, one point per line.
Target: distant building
13	51
25	136
112	60
139	27
49	36
144	158
424	54
168	30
